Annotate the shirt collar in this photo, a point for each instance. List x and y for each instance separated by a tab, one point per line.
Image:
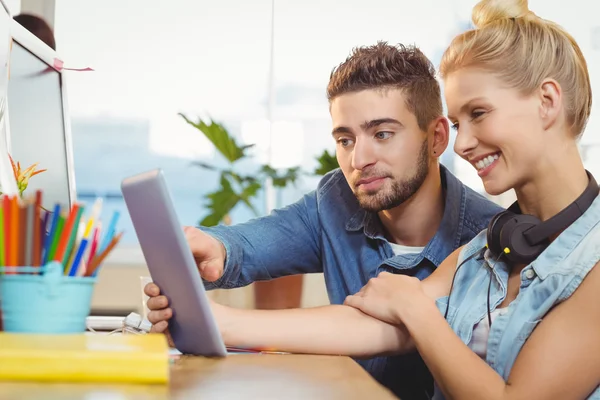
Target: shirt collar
447	237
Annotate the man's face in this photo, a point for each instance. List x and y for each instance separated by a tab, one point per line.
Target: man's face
380	148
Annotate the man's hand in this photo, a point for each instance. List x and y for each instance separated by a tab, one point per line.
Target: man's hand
208	252
389	296
160	313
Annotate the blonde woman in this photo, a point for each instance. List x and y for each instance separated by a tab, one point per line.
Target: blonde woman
514	314
518	93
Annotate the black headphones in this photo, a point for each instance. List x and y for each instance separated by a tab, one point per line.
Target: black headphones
521	238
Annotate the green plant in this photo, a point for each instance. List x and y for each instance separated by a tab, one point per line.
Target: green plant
22	176
327	162
235	187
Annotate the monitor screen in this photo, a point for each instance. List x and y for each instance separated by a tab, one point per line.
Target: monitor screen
37	125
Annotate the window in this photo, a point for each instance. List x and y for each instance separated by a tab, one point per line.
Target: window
150	64
209	57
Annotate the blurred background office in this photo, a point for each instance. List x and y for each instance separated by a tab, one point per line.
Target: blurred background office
245	64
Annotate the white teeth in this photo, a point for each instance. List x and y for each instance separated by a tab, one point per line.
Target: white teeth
486	161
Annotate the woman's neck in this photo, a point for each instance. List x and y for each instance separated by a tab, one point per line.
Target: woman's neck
557	182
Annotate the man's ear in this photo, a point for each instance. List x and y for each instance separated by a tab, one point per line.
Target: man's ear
550	102
440	130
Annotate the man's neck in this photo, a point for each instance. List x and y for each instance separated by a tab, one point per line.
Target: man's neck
415	222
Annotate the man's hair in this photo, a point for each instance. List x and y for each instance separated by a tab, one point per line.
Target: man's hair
39	27
383	66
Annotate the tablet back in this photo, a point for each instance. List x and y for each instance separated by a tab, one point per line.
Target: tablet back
171	264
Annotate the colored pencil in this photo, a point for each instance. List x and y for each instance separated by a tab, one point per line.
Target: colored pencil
1	237
110	231
29	235
7	229
74	266
76	245
71	239
37	237
14	231
92	269
94	246
21	243
50	234
57	233
65	236
43	234
33	236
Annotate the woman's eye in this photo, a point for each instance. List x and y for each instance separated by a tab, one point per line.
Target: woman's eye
455	126
476	114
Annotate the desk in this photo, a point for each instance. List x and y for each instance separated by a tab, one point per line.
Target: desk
238	376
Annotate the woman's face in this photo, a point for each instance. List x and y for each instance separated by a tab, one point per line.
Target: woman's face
499	130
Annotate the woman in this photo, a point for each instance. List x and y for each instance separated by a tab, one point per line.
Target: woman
518	93
513	314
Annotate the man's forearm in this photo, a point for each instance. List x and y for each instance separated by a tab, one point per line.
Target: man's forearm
336	330
285	242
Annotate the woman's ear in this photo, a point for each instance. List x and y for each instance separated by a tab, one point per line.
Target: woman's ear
551	107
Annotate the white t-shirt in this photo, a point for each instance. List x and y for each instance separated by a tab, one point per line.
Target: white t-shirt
400	249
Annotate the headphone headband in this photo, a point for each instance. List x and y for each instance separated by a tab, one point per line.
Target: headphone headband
523	237
565	217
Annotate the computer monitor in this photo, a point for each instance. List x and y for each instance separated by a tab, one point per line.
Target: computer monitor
7	180
38	121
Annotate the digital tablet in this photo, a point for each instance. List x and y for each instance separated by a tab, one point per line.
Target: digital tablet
171	264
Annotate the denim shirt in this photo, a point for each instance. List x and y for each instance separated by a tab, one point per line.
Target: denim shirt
327	231
547	281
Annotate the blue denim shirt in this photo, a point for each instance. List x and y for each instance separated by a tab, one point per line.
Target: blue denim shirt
327	231
547	281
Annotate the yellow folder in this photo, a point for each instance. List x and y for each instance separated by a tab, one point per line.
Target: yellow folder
84	358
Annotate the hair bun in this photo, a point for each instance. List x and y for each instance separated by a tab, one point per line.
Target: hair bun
487	11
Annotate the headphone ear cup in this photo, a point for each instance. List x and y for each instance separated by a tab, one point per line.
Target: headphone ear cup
512	237
495	232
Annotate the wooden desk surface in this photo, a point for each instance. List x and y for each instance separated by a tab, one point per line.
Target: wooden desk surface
238	376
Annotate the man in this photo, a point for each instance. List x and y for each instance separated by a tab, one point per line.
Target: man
390	207
39	27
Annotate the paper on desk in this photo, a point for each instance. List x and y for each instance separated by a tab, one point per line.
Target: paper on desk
174	353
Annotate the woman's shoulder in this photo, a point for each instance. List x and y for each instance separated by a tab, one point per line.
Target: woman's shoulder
474	248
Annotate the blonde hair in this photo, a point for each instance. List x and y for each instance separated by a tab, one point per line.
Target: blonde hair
523	50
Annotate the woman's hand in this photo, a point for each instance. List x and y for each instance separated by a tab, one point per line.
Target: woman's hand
161	312
389	296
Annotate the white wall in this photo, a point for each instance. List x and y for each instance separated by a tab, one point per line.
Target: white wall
41	8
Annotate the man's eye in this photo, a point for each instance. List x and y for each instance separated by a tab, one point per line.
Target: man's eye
383	135
344	142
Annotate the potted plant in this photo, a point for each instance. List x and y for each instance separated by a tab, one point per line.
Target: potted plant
22	176
236	187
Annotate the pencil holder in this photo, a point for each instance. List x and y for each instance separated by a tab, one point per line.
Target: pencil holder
43	300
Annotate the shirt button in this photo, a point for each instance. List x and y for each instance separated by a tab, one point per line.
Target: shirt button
530	274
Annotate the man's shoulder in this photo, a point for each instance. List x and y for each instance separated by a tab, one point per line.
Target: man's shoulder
333	183
333	190
476	210
479	210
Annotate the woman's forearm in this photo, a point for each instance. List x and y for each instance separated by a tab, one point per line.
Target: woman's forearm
335	329
457	370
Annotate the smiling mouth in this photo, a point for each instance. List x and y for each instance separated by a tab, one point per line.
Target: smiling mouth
487	161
